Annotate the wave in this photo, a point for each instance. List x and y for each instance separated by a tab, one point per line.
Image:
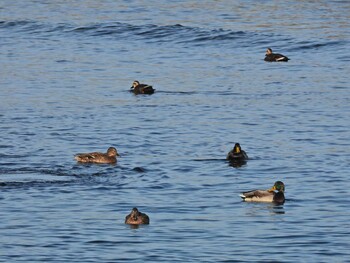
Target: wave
165	33
33	27
29	177
150	33
169	33
310	45
23	170
88	173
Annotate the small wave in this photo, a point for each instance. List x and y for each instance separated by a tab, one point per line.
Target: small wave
23	170
5	24
190	93
307	46
128	31
218	35
32	183
33	27
178	92
155	33
139	169
27	176
112	243
209	160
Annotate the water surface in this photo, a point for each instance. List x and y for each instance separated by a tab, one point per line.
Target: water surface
66	71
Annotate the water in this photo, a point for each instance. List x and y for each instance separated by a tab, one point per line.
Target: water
66	70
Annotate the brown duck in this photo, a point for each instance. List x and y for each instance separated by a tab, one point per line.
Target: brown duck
138	88
97	157
136	218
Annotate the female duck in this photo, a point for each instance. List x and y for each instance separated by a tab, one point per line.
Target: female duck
138	88
266	195
136	218
97	157
237	154
274	57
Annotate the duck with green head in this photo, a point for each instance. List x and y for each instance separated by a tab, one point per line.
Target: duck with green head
269	195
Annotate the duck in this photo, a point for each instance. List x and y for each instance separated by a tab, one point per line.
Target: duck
274	57
138	88
136	218
109	157
269	195
237	154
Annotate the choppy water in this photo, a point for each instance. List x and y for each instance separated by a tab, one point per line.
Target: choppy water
66	70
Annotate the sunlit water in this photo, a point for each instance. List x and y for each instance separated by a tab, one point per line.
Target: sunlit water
66	70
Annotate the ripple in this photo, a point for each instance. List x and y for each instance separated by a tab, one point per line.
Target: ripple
65	88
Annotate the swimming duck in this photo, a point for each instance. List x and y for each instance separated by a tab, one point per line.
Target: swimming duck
136	218
97	157
138	88
237	154
274	57
266	195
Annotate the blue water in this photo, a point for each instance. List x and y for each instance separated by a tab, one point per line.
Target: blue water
66	68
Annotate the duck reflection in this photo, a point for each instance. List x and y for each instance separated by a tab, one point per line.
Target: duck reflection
257	209
237	164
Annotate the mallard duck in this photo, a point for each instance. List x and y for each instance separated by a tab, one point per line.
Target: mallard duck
136	218
138	88
274	57
237	154
266	195
97	157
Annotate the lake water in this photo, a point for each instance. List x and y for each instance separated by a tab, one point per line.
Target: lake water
66	68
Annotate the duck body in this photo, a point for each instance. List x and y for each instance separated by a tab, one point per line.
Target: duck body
138	88
136	218
274	57
237	154
269	195
109	157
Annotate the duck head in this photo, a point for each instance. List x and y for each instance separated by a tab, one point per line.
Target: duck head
135	84
278	186
237	148
112	152
134	213
268	51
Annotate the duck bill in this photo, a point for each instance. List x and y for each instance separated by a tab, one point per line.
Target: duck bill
273	188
